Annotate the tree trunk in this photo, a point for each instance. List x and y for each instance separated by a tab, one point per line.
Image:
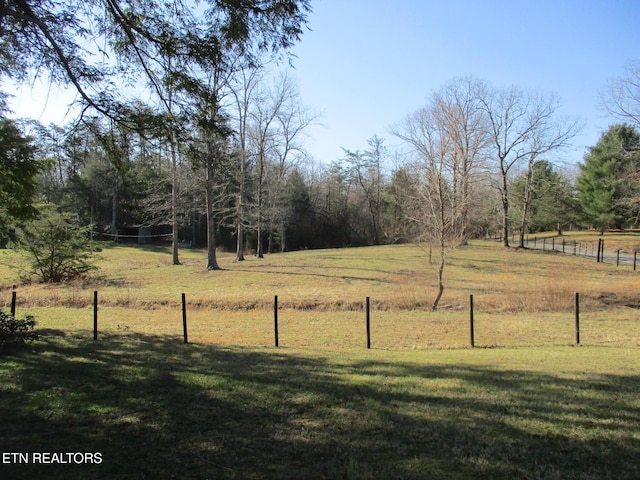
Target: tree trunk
526	201
114	210
440	277
174	204
271	243
241	200
212	262
464	208
259	252
442	234
505	211
240	242
283	244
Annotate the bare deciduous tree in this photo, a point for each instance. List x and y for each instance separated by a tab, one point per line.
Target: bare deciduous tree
278	122
243	87
365	171
292	120
437	205
458	110
522	126
449	138
551	135
263	122
621	97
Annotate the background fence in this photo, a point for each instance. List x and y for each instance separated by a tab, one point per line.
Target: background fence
592	249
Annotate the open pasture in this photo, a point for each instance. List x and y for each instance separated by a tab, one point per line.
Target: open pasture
521	297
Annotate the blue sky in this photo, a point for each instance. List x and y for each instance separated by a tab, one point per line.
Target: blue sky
366	64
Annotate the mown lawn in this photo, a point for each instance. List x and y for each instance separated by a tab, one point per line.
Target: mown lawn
157	409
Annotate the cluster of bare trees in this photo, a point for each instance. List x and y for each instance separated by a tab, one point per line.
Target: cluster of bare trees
474	160
161	70
240	162
271	124
225	167
470	136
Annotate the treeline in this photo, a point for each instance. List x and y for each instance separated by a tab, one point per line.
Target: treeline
121	182
192	139
264	193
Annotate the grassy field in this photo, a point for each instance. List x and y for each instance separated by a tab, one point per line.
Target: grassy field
420	404
158	409
520	297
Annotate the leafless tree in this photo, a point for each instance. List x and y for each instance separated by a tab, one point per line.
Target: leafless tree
551	136
522	126
244	87
364	170
292	121
278	121
458	110
438	206
263	122
621	97
449	139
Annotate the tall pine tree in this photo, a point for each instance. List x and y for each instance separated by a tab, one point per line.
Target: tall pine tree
606	179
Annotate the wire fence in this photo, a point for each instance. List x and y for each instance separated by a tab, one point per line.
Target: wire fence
368	328
592	249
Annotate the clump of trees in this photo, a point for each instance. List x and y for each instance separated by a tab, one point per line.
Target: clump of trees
181	56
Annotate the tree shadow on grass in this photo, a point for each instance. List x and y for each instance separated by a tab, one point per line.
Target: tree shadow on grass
282	272
159	409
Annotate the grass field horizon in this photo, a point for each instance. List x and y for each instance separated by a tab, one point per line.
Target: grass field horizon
394	276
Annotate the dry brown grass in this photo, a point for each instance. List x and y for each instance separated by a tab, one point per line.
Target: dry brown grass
521	297
390	330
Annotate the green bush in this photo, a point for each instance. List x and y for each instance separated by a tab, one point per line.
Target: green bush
13	329
59	249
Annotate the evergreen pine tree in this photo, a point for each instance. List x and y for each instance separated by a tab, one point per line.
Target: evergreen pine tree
605	181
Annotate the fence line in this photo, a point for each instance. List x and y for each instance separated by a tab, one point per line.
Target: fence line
593	249
367	319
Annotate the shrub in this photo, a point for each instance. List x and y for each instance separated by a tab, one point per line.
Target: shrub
13	329
59	249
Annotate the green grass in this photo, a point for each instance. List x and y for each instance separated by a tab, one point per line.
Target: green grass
390	330
420	404
158	409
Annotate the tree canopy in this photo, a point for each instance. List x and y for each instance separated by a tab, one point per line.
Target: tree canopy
551	202
91	44
19	170
607	183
